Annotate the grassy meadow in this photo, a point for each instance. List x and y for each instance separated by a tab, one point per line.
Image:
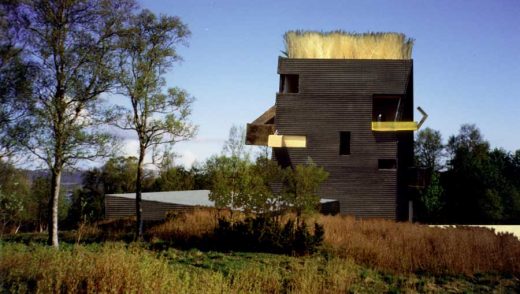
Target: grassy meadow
357	256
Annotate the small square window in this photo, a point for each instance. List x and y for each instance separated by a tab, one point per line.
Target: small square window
386	108
344	143
289	83
387	164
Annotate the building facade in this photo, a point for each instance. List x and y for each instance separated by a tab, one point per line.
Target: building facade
354	118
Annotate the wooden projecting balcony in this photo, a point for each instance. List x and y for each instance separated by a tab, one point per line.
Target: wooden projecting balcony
258	134
287	141
263	135
396	125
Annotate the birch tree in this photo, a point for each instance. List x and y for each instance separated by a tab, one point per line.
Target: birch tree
158	117
72	43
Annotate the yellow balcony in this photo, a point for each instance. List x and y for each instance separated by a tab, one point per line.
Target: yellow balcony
393	126
287	141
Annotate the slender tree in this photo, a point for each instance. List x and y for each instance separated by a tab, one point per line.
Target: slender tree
72	43
429	149
235	144
301	187
159	118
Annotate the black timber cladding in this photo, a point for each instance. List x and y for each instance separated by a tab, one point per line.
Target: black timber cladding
336	96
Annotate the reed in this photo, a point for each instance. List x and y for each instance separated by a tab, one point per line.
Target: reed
344	45
405	247
386	245
123	268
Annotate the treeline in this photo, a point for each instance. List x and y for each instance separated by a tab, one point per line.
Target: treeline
237	178
470	182
24	202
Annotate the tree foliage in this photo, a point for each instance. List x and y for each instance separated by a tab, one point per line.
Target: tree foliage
119	175
159	118
175	178
71	45
428	149
301	187
432	199
239	183
39	203
16	75
14	196
479	185
234	145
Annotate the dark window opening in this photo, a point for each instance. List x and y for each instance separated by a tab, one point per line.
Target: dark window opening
344	143
386	108
289	84
387	164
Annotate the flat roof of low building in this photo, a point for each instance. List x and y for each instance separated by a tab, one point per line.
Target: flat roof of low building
189	197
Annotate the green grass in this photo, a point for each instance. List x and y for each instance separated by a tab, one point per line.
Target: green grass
135	267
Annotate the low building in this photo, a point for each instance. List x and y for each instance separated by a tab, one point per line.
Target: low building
156	205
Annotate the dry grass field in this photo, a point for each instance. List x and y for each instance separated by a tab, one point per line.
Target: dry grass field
358	256
387	245
405	247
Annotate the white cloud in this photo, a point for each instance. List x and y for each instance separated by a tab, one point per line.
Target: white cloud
187	158
130	147
208	140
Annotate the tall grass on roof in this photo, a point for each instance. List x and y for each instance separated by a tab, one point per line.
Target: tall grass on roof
344	45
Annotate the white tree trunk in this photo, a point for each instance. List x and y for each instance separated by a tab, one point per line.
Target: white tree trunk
53	209
138	194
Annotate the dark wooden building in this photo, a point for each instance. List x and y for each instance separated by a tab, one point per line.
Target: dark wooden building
353	117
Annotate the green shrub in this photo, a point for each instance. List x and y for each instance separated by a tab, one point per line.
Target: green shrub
263	234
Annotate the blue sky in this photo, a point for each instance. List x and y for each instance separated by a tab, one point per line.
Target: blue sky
466	60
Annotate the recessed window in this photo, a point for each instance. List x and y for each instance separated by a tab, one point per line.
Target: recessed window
289	83
386	108
344	143
387	164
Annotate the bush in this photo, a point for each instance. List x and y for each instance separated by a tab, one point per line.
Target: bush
263	234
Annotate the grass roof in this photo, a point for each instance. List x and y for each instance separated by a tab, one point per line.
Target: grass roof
344	45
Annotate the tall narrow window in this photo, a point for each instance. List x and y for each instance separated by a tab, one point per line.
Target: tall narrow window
289	83
344	143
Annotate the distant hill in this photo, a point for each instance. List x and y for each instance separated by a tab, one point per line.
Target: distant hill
69	180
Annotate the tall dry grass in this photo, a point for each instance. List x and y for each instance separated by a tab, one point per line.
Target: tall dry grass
381	244
116	268
385	245
343	45
112	268
121	268
187	226
405	247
